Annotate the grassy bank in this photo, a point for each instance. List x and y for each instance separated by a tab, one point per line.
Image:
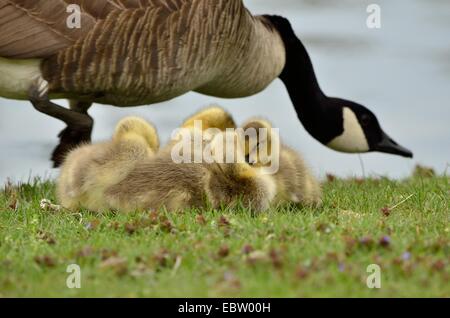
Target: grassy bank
403	226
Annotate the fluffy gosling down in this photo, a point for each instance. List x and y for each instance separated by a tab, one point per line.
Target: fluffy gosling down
294	180
150	179
126	174
90	170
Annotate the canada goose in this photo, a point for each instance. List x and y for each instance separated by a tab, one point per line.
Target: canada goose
89	170
135	52
96	178
294	180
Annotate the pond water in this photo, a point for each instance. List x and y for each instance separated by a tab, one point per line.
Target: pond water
401	72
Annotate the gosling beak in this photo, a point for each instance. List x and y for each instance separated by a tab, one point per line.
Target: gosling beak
387	145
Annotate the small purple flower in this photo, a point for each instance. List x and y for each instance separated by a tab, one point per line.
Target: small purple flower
385	241
406	256
341	267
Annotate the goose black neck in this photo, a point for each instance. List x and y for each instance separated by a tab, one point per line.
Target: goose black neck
298	75
300	79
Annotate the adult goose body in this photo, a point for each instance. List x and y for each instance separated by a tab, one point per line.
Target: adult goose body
139	52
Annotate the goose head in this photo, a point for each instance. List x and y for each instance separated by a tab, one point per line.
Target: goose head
339	124
352	128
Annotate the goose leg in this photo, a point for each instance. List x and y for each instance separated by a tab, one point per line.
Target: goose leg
79	123
78	131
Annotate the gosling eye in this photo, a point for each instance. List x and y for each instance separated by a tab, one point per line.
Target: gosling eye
249	161
248	156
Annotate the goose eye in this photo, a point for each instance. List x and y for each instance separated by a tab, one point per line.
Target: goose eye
365	120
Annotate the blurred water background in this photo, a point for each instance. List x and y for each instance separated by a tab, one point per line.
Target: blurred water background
401	72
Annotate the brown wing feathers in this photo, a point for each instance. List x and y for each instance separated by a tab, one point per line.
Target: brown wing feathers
37	28
98	9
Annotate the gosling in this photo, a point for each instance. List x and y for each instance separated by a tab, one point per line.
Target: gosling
295	182
90	170
128	174
160	183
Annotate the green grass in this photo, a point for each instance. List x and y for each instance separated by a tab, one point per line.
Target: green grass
299	253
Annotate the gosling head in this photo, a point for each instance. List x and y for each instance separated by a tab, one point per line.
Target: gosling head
262	146
211	117
232	179
137	129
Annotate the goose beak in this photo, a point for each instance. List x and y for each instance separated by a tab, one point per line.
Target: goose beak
387	145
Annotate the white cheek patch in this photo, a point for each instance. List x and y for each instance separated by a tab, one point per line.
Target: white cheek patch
353	139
